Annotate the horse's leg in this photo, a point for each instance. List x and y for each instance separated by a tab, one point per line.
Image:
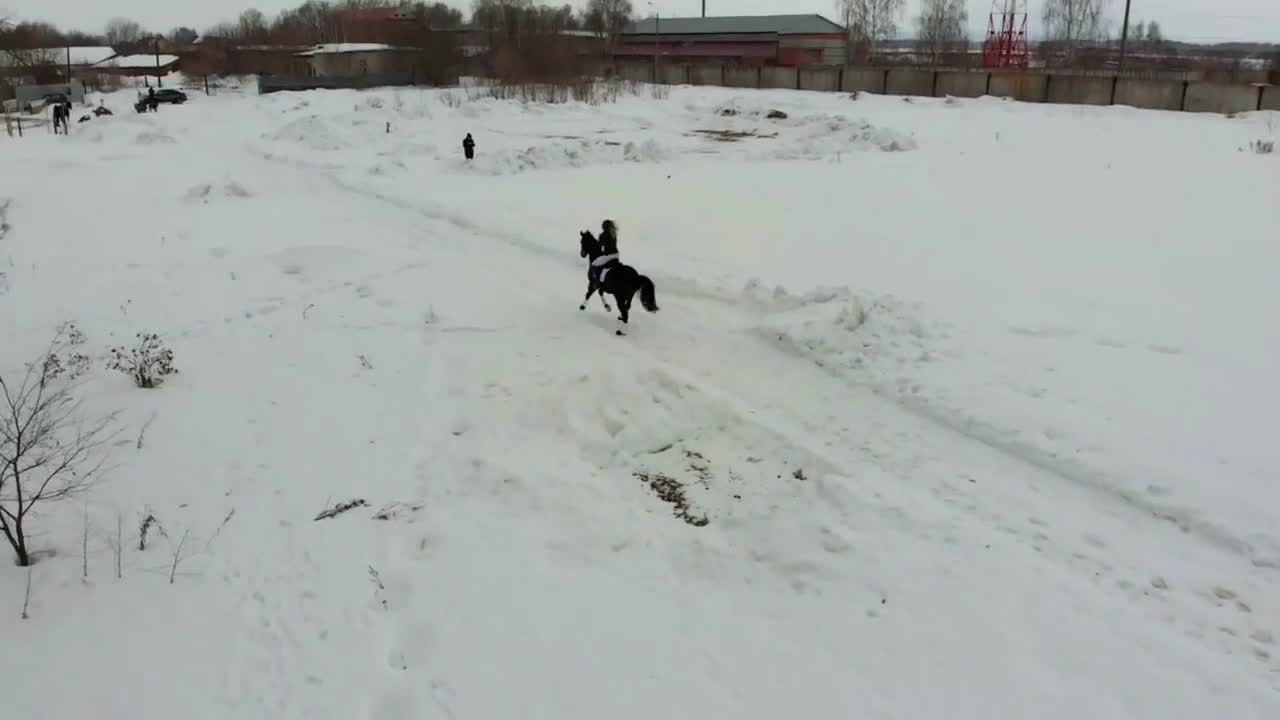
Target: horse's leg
624	308
591	288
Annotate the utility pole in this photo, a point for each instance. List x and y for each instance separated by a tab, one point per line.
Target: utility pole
1124	35
704	8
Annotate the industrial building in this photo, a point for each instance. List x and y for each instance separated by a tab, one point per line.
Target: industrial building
787	40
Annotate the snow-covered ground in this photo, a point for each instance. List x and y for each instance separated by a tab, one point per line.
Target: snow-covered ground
978	400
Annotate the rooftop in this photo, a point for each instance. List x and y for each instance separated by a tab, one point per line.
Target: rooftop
336	48
144	60
739	24
85	55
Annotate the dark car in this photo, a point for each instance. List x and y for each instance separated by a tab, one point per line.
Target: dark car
168	95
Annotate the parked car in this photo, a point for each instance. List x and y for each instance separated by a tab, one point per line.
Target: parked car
171	96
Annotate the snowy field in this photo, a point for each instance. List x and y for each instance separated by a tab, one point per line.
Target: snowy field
978	401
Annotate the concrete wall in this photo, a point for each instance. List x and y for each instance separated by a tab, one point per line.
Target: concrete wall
673	74
909	81
358	64
778	77
279	83
962	84
636	72
863	80
1271	98
1080	90
1150	91
824	79
1149	94
1021	86
741	77
706	75
1209	97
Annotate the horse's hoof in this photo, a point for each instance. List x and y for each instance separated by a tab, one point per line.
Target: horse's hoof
582	307
619	333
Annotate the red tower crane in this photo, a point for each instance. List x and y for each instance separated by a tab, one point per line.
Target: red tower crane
1006	43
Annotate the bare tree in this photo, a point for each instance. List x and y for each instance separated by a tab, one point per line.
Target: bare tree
609	17
1155	36
253	26
869	22
1069	24
183	36
122	31
942	27
46	452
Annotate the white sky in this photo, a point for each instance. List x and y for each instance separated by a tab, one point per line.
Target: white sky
1206	20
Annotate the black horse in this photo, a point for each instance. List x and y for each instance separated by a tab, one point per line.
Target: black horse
620	281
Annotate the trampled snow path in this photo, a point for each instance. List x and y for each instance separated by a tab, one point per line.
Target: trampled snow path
340	339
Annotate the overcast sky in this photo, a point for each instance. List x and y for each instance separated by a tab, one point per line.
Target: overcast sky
1205	20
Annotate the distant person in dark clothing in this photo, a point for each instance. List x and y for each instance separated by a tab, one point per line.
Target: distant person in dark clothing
469	147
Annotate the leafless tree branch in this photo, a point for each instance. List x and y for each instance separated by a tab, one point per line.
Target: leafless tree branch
46	452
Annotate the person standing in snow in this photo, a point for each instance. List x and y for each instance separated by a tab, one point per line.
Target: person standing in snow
469	147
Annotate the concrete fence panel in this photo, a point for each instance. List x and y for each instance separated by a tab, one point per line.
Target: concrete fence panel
1149	94
1215	98
279	83
1080	89
863	80
673	74
783	78
1020	86
909	81
636	72
962	84
742	77
823	79
1271	98
706	75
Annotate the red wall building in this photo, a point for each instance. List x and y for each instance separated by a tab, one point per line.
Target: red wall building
743	40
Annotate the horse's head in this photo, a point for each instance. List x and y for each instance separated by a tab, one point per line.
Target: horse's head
589	243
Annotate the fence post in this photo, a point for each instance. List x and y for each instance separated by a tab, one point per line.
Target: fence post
1048	83
1182	104
1260	89
798	78
933	91
724	81
987	91
1115	84
840	79
759	76
884	82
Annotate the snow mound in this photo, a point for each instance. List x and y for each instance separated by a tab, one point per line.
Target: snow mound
311	132
583	153
204	192
877	336
153	137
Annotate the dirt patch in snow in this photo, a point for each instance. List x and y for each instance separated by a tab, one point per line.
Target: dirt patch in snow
731	135
671	491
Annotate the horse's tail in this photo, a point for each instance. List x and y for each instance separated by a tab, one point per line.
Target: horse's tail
647	297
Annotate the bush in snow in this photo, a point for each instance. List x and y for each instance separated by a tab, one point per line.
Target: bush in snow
147	364
47	451
1263	147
